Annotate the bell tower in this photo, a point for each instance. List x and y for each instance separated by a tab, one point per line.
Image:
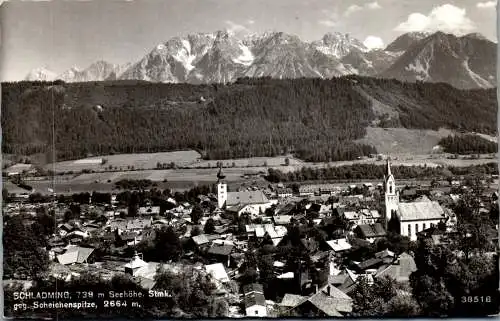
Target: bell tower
391	195
221	189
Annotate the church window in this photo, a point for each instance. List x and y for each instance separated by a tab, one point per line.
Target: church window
409	229
423	226
416	228
390	188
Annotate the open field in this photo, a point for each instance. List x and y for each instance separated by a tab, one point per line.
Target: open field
250	162
126	161
403	141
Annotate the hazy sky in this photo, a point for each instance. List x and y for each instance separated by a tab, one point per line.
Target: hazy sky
60	34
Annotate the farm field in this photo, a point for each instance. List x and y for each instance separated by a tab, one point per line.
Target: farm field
128	161
403	141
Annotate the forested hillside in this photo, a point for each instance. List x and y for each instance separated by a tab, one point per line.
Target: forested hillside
468	144
316	119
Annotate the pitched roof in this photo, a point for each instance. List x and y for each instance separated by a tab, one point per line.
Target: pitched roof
221	249
282	219
292	300
384	253
246	197
366	264
75	254
200	239
253	287
254	298
400	271
218	271
339	245
325	303
425	210
371	230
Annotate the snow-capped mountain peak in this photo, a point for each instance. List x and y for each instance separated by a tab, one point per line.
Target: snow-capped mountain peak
41	74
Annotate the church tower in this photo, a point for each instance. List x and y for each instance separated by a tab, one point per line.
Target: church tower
391	195
221	189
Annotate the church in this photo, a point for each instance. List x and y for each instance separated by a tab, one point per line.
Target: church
251	202
408	218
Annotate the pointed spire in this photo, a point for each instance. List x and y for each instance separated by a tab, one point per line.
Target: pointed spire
220	176
388	166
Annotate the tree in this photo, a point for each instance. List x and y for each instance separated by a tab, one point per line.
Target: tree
167	245
209	226
196	214
25	256
5	195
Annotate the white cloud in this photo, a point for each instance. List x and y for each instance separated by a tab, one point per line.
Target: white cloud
236	28
352	9
486	5
327	22
446	18
373	42
373	5
355	8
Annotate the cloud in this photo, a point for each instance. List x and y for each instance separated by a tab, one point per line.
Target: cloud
373	42
352	9
373	5
446	18
236	28
486	5
355	8
331	18
327	22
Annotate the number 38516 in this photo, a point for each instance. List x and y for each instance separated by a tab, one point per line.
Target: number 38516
476	299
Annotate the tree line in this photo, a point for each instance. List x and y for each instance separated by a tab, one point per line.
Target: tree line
316	119
468	144
371	171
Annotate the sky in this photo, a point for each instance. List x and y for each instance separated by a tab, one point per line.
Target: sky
61	34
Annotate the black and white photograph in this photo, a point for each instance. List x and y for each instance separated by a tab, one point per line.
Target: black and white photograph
215	159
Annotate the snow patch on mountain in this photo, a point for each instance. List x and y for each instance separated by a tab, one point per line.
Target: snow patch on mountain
246	58
477	79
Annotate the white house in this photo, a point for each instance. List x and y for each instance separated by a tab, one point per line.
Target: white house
255	302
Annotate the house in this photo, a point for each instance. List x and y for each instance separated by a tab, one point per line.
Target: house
218	272
284	192
400	270
386	256
255	302
339	246
282	219
221	253
76	254
370	232
149	210
328	301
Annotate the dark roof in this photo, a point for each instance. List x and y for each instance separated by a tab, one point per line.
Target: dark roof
254	287
369	263
255	299
371	230
221	249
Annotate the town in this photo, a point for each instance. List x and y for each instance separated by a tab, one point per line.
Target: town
316	249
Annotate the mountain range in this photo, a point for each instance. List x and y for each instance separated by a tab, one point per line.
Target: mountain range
465	62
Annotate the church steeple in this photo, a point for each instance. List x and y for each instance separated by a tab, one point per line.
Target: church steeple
388	172
221	188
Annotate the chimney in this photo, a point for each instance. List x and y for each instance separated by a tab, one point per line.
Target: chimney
328	291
